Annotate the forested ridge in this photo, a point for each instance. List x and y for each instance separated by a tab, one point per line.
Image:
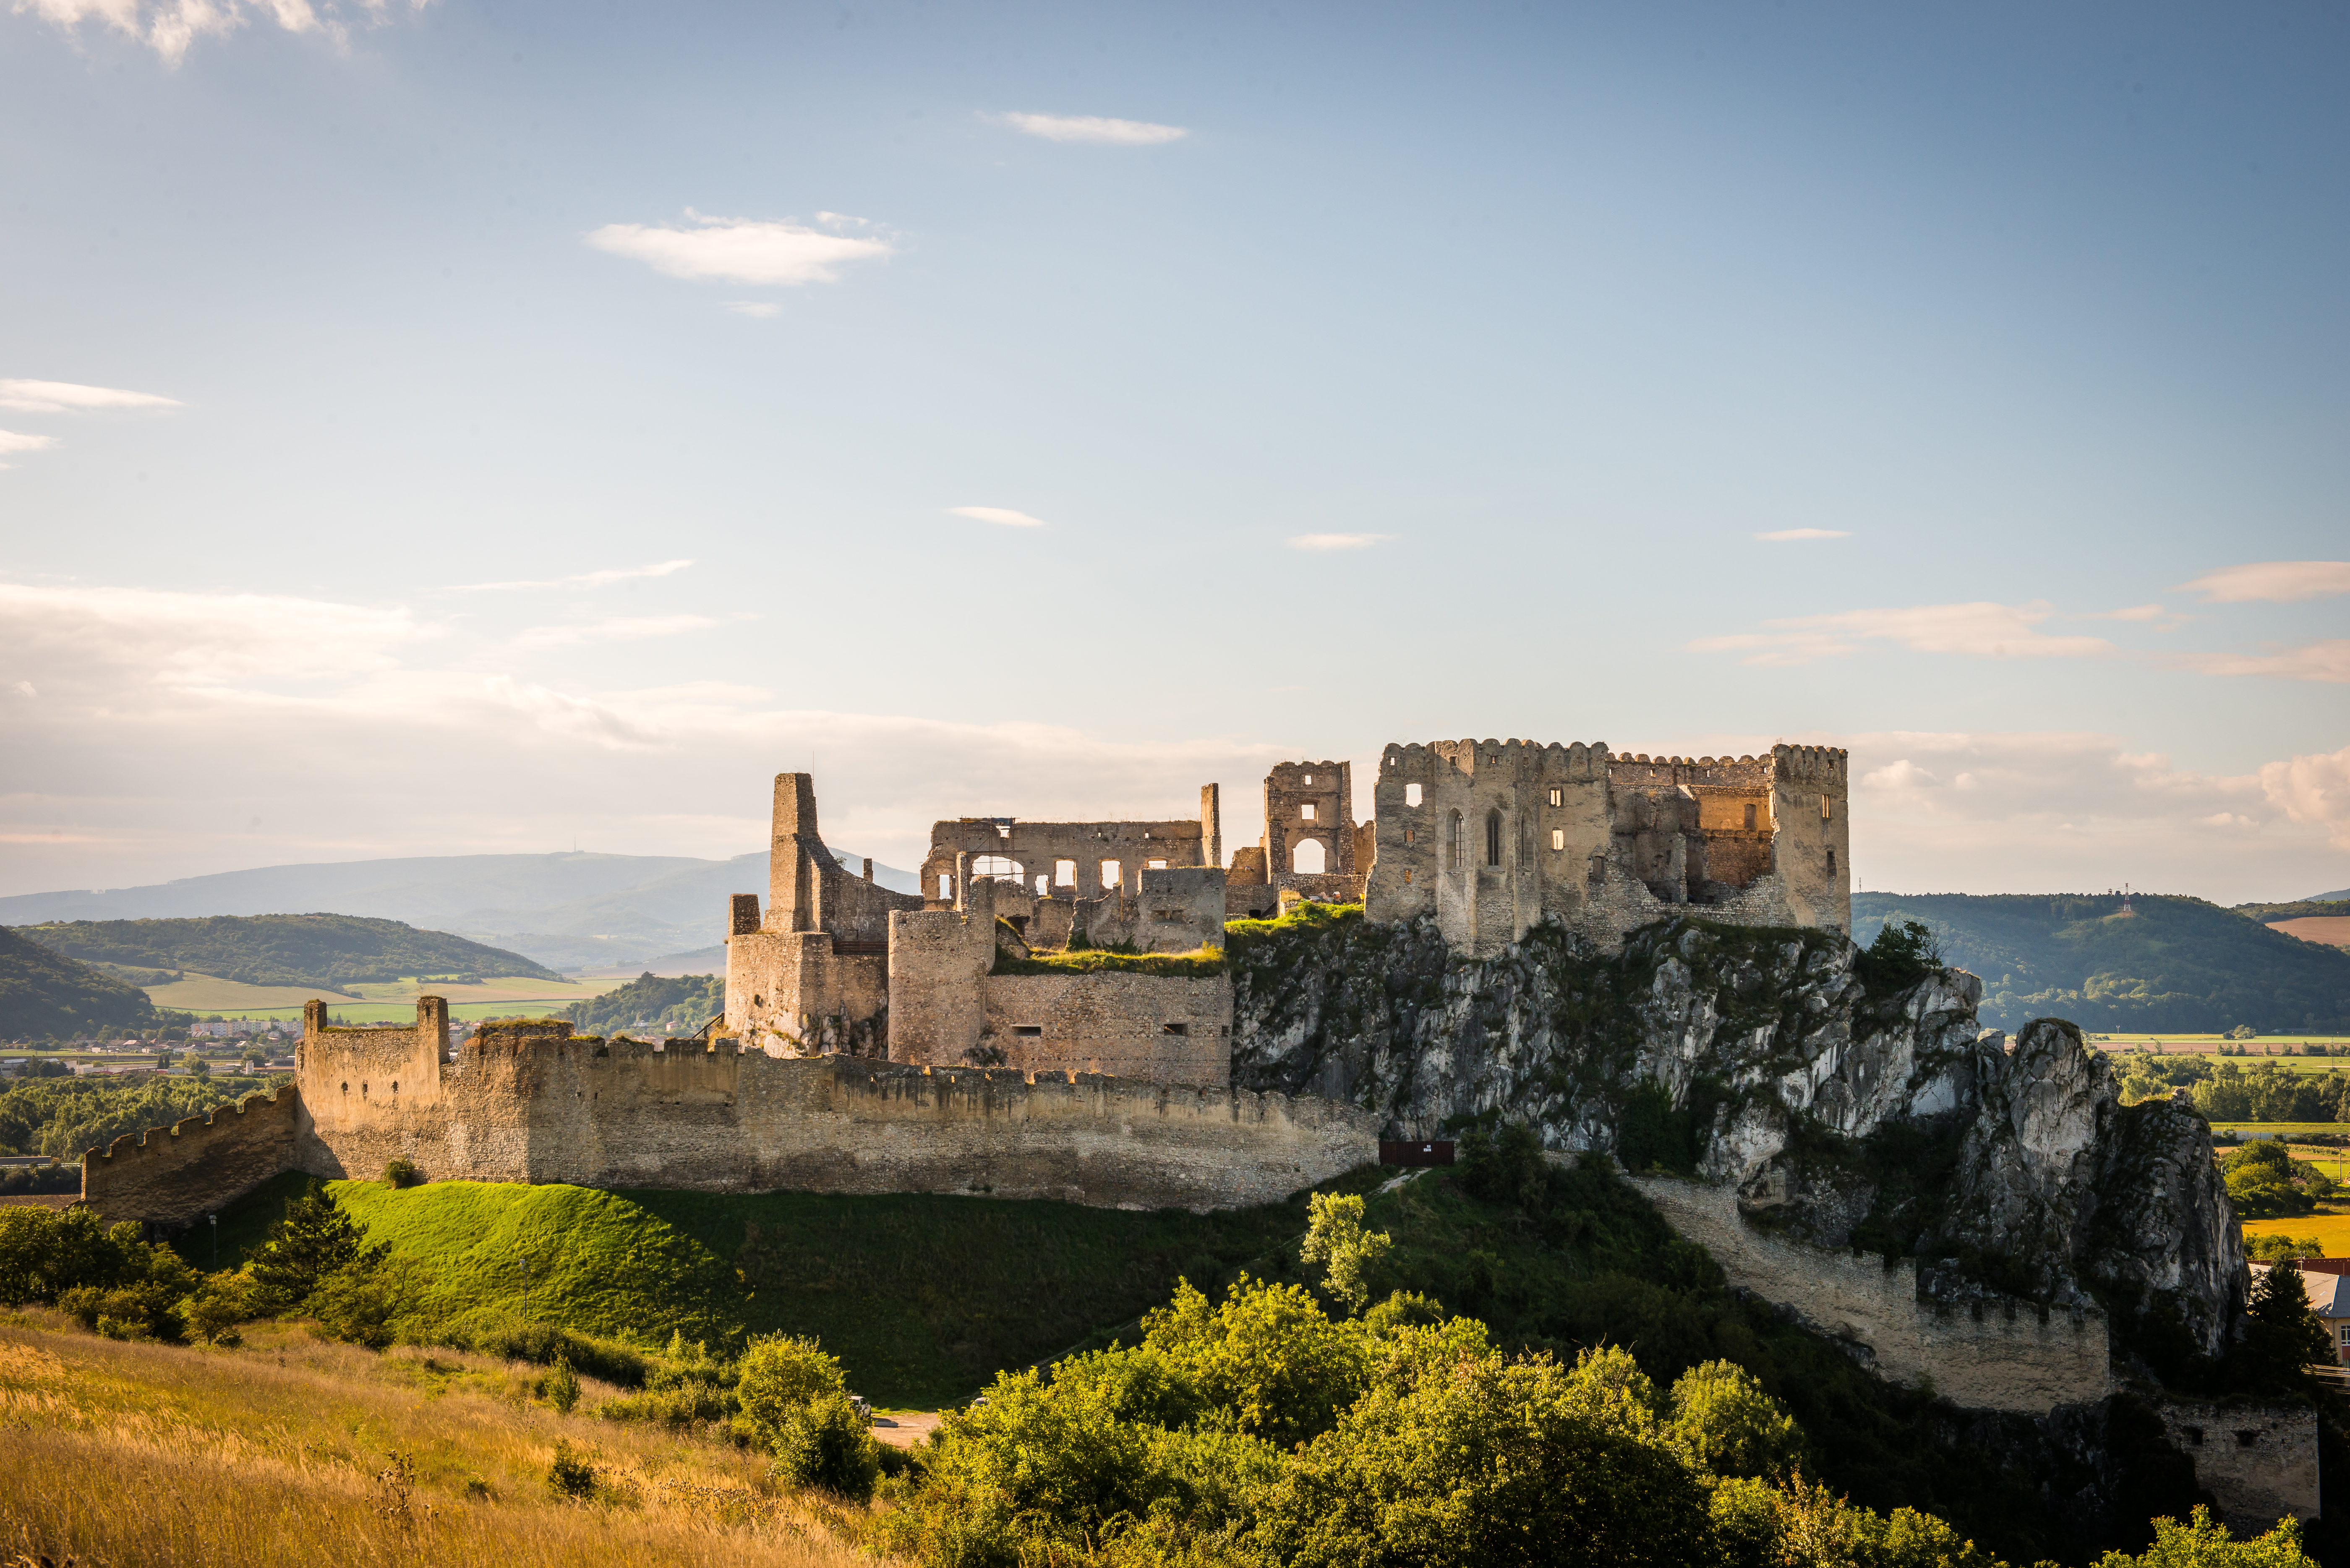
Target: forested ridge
330	951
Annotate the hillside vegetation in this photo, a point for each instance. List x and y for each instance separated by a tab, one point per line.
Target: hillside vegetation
652	1003
2172	965
65	1117
2269	914
333	952
46	995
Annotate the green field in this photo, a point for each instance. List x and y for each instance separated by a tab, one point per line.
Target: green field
2332	1231
373	1002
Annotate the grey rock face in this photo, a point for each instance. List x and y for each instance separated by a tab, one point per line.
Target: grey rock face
1760	1059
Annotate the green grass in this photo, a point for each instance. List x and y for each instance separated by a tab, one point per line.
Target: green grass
1200	963
924	1298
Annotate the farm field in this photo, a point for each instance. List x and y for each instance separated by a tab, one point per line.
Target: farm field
373	1004
299	1452
2333	931
2330	1232
2276	1046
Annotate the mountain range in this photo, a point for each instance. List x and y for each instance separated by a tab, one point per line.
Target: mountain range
569	911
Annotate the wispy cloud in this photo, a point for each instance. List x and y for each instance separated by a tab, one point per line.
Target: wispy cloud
584	580
759	308
168	26
2276	582
1338	541
66	397
11	441
1985	630
1003	514
613	628
2135	612
2314	790
1790	535
2328	659
742	250
1092	128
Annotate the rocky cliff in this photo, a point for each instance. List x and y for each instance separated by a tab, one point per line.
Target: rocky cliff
1849	1106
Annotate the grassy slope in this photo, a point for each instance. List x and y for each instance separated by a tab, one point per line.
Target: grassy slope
923	1297
284	949
45	993
2175	964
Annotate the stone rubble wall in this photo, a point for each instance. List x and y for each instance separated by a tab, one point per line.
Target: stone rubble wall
2258	1461
1156	1028
1995	1356
179	1174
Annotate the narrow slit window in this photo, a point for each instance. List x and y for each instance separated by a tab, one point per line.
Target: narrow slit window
1831	862
1027	1031
1309	778
1557	839
1492	838
1176	1028
1407	835
1157	865
1827	810
1749	817
1558	797
1456	849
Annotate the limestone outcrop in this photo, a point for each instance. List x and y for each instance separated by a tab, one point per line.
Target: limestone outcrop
1848	1110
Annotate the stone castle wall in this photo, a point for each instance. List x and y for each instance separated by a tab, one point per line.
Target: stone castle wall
1154	1028
2005	1356
516	1106
179	1174
2258	1461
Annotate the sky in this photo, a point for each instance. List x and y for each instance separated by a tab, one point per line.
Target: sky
459	426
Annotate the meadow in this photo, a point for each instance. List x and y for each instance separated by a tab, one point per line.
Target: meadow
375	1002
293	1451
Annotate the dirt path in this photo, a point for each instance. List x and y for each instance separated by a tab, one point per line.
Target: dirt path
905	1428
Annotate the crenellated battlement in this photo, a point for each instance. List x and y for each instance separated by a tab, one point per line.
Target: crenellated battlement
176	1175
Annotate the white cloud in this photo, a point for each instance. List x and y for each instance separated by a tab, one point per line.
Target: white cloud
613	629
1984	630
2276	582
740	250
1003	514
1092	128
2135	612
584	580
2313	790
11	441
2328	660
66	397
1338	541
24	689
1787	535
758	307
170	26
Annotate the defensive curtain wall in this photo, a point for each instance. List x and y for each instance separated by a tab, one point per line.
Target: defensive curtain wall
530	1103
1492	837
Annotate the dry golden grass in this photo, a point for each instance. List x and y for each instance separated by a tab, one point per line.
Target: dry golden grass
291	1452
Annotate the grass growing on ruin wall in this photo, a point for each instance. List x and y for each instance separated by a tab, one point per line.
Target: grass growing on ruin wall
297	1452
1202	963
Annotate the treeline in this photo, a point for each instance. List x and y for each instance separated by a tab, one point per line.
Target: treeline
654	1003
330	951
2266	1091
65	1117
45	996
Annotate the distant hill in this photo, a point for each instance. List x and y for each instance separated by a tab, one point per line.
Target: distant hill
330	950
2301	908
45	995
653	1004
568	911
2173	965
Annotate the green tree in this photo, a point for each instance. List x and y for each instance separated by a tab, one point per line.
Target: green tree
2282	1337
314	1239
778	1376
1268	1354
2202	1542
1334	1238
1728	1426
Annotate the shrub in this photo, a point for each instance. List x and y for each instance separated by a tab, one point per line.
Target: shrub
211	1316
313	1241
562	1387
1335	1237
1728	1426
1903	953
570	1475
777	1377
402	1173
825	1443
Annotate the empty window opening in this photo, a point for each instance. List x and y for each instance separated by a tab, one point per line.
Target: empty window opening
1750	816
2246	1440
2194	1437
1307	811
1558	797
1307	857
1407	835
1064	873
996	866
1597	874
1558	838
1043	886
946	886
1176	1028
1309	778
1831	862
1111	872
1156	866
1407	875
1411	795
1456	844
1827	811
1492	838
1018	923
1027	1031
